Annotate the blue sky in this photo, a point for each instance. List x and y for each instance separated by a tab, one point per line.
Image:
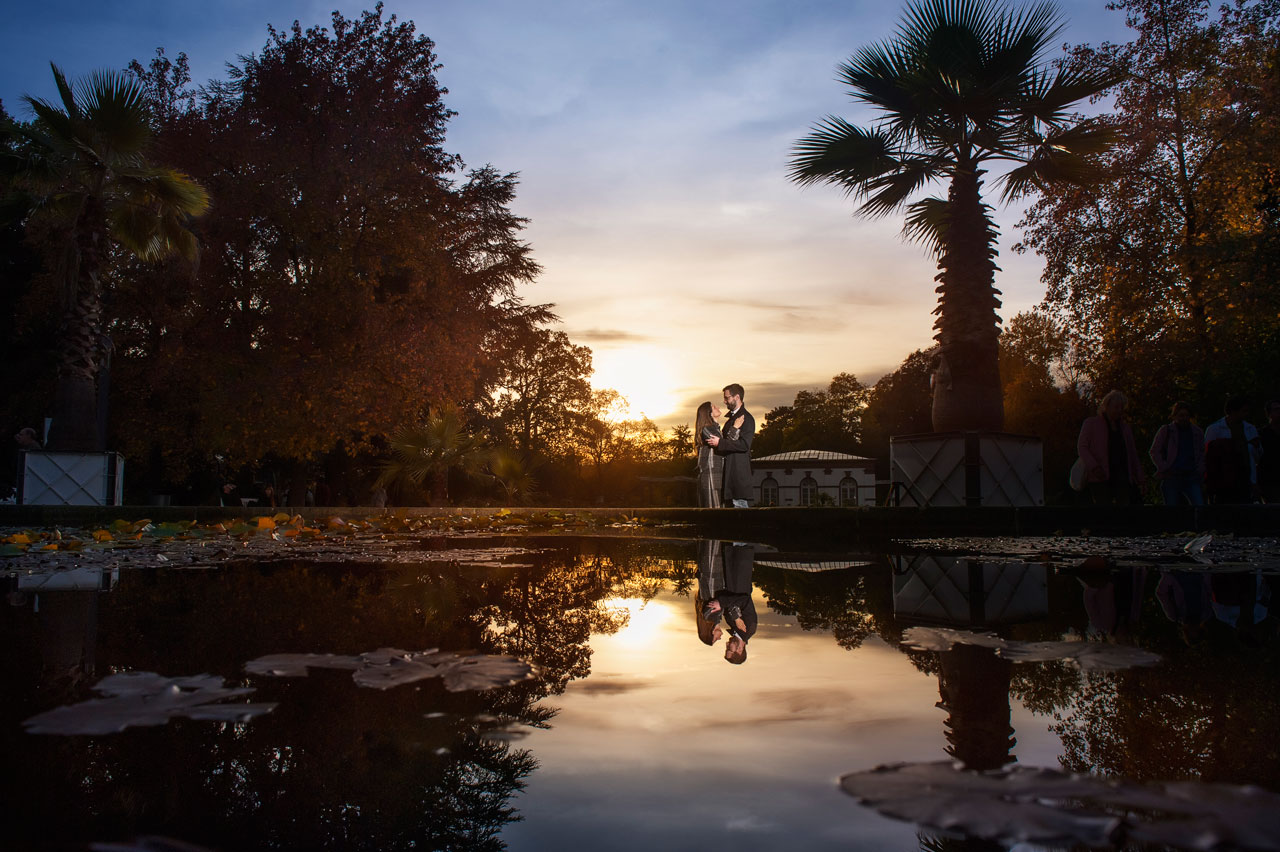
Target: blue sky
652	140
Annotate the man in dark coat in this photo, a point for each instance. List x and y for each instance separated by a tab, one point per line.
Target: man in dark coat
734	446
732	602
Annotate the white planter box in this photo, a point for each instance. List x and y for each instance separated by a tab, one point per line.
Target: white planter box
967	469
72	479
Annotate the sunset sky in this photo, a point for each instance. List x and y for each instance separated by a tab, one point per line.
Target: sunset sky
652	140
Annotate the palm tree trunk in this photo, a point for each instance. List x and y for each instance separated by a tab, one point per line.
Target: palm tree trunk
967	394
75	399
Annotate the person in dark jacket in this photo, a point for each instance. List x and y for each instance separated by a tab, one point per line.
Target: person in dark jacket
1178	452
736	452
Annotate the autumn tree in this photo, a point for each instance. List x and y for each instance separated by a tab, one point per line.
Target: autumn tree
828	419
542	391
897	404
1167	271
351	272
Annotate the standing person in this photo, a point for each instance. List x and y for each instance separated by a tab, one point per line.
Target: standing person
1269	464
1178	453
736	449
1110	455
710	465
1231	450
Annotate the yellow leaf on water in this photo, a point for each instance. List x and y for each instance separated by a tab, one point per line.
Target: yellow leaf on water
102	535
281	518
50	546
265	523
20	538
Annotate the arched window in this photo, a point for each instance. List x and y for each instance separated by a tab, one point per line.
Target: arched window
808	491
769	492
848	491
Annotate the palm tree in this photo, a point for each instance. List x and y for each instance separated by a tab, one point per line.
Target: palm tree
84	165
962	84
428	452
515	475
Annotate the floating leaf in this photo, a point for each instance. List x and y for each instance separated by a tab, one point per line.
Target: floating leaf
1088	656
1022	804
146	698
102	535
296	665
388	667
265	523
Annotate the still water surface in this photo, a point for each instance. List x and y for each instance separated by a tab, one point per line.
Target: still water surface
634	733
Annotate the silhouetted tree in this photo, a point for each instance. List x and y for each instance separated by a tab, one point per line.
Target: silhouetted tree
962	85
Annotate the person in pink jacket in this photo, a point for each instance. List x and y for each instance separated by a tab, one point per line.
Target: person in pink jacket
1178	452
1112	467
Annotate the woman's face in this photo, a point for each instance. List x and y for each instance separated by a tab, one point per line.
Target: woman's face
715	411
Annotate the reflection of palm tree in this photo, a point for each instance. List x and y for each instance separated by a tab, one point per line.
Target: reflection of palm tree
961	85
974	687
429	451
85	168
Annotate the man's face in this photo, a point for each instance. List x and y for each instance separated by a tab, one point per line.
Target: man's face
733	403
1182	415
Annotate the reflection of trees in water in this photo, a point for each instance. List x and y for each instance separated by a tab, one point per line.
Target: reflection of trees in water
335	765
852	605
1208	712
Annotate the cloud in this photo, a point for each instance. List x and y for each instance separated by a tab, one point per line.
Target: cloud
608	335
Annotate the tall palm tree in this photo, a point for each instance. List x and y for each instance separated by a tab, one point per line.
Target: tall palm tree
84	164
427	452
963	83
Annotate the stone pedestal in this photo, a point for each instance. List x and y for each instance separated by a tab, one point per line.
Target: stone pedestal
966	469
72	479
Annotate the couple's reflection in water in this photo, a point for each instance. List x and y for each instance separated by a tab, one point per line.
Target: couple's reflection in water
724	606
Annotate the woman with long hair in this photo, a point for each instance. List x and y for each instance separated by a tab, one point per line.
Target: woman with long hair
710	466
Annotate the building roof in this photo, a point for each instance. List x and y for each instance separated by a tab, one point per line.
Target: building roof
812	456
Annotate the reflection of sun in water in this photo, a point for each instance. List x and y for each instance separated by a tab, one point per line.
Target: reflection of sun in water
645	622
642	374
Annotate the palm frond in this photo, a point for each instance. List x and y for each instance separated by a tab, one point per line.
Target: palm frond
65	93
889	192
1064	156
838	152
926	222
115	105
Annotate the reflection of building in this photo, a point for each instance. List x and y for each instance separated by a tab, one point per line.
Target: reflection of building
813	478
963	592
812	563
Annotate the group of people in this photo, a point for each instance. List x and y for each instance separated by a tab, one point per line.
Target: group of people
1229	462
724	451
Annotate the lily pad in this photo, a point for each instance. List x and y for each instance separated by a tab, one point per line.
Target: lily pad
1044	806
1088	656
146	698
388	667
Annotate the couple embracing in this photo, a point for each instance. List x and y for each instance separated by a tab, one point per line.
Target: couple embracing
724	452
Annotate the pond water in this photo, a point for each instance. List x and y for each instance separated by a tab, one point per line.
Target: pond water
631	732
